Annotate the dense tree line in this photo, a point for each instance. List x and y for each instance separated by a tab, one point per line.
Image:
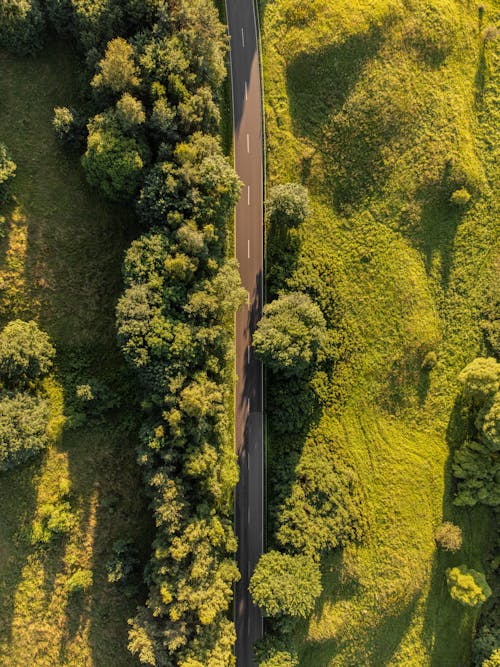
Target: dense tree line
148	134
316	504
476	467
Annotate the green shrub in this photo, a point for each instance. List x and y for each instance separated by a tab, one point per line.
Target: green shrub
21	26
489	424
23	424
7	171
79	582
288	204
123	562
286	585
26	353
112	161
290	333
449	536
130	112
478	473
467	586
54	519
429	361
460	197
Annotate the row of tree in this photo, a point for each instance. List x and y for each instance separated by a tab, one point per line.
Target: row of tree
155	70
476	467
315	497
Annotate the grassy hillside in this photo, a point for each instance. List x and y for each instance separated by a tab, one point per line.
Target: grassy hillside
384	109
60	263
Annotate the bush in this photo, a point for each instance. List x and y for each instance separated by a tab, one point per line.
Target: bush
288	204
112	162
467	586
21	26
79	582
55	519
7	171
449	536
26	353
429	361
460	197
283	584
480	379
123	562
23	423
68	126
489	424
289	334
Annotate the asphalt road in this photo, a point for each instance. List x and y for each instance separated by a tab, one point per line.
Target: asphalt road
249	163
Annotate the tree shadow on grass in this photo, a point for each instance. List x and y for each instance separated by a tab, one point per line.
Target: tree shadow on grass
381	642
318	83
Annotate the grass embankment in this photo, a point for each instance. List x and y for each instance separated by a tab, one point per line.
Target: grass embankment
383	110
61	265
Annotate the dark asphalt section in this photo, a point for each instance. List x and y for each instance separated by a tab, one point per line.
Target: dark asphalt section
249	406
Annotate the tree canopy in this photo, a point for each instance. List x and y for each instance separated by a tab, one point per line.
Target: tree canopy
467	586
290	332
285	584
26	352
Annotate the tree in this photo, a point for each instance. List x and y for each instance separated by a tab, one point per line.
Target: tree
480	380
117	70
449	536
26	352
289	334
288	204
478	472
130	112
22	26
7	171
112	161
23	423
467	586
199	183
493	660
489	424
284	584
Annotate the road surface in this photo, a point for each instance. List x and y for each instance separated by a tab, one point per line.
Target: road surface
249	425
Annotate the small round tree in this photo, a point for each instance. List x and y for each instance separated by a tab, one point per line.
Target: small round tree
26	352
460	197
288	204
480	379
290	333
467	586
23	424
283	584
449	536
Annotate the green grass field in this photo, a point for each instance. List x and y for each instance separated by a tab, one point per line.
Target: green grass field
61	265
383	109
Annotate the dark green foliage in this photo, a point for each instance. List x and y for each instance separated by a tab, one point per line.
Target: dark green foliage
22	26
283	584
490	320
486	641
122	566
113	162
289	334
478	472
323	509
199	183
467	586
26	353
476	463
69	127
23	423
288	204
7	171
